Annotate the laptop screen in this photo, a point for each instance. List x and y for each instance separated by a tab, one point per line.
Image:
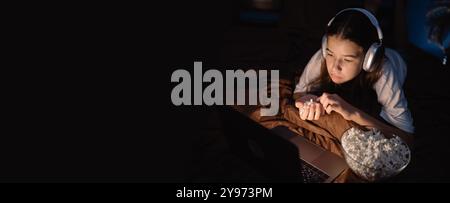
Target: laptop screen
270	154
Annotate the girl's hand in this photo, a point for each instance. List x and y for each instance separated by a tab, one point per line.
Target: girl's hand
309	110
333	102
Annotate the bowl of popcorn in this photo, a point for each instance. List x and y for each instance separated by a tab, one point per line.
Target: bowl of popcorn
372	156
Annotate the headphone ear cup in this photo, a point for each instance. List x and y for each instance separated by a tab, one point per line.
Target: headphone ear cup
324	46
370	57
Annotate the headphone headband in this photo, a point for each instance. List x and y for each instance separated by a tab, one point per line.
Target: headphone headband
369	15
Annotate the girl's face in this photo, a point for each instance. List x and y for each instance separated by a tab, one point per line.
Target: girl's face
343	59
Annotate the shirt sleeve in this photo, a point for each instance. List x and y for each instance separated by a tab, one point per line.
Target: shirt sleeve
311	72
391	95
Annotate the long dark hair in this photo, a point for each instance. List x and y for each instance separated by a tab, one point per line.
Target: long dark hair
356	27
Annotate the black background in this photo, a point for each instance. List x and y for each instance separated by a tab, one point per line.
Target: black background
88	96
89	89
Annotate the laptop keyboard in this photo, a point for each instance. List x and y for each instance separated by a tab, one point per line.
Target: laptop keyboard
311	174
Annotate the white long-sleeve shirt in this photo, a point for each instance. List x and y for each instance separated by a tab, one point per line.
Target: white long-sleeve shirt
388	88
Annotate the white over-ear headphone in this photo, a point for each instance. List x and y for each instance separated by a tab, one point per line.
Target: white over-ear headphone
374	48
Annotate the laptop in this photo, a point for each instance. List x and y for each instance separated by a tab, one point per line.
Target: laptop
279	154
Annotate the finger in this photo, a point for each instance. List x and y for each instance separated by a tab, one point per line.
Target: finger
328	102
328	109
311	112
320	99
303	112
323	98
325	102
333	107
299	104
318	111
